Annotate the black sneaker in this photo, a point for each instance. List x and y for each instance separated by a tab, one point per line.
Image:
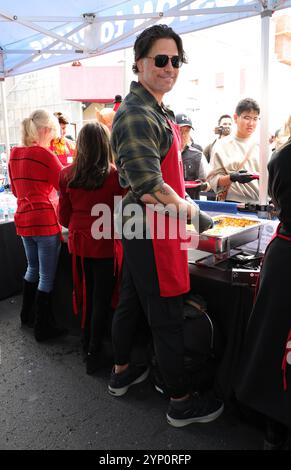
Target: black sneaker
120	383
196	409
276	435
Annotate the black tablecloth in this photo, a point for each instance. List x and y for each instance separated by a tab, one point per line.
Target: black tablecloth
12	260
231	307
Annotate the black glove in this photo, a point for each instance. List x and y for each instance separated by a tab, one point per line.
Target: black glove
241	176
205	221
200	185
204	186
202	222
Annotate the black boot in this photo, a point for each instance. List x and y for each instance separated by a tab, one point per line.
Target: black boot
276	435
28	306
44	327
93	362
84	344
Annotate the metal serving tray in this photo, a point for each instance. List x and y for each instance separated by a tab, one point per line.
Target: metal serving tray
213	243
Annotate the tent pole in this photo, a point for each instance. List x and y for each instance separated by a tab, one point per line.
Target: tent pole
5	117
264	105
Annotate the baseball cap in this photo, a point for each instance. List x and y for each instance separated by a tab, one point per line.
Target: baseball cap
117	99
183	120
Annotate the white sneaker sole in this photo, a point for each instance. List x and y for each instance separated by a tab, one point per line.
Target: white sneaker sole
179	423
118	392
160	390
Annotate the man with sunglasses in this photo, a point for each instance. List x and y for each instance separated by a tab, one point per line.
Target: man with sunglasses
155	272
234	163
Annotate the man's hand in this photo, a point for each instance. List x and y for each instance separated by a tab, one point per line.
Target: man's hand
201	220
205	222
201	185
241	176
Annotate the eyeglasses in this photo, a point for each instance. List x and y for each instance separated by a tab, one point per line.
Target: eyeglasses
161	60
249	119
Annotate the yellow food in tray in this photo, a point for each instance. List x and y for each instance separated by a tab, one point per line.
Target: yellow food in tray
229	225
224	225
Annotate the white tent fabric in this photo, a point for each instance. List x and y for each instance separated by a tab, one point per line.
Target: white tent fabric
35	35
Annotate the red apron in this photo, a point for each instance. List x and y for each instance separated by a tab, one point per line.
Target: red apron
80	238
79	284
65	158
171	261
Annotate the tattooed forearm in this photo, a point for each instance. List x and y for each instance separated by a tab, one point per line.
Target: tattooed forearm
164	191
164	198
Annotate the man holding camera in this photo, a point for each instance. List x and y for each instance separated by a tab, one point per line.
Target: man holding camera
222	130
235	161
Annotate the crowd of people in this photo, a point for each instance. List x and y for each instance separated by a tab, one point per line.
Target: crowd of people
144	154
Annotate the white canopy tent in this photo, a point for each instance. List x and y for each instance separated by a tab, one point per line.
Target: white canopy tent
35	35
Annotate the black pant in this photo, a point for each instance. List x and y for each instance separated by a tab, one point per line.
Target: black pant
139	299
99	286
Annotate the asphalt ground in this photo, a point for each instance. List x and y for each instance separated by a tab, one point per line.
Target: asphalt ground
48	402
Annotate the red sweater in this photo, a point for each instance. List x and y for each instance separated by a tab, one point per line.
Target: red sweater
74	212
34	175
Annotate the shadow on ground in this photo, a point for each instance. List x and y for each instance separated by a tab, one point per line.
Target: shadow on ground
48	402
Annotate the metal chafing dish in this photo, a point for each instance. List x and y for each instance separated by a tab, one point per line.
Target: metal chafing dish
229	232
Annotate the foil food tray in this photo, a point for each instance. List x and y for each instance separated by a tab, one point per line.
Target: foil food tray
214	242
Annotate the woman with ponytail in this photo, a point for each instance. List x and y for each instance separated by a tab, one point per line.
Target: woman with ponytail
34	175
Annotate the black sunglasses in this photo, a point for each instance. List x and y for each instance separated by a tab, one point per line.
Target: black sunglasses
161	60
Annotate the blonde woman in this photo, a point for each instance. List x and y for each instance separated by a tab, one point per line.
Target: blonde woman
34	175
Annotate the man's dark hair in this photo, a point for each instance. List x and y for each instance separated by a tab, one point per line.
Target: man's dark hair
61	118
117	99
149	36
224	116
247	104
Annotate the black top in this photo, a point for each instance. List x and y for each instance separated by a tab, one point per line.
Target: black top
280	183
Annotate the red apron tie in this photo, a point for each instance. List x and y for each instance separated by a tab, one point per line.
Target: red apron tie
285	359
288	342
79	289
76	285
84	300
79	285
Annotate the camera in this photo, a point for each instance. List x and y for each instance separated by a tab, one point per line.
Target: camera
221	130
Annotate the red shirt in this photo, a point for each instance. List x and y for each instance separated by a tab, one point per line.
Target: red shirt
64	149
74	212
34	175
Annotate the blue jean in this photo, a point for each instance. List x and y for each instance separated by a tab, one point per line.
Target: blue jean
42	253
